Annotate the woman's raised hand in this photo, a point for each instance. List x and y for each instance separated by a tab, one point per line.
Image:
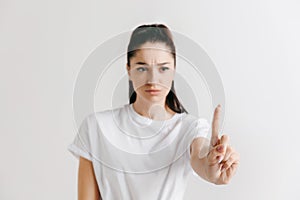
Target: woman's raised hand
222	158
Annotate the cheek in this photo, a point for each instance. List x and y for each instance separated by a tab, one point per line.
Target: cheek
138	83
167	83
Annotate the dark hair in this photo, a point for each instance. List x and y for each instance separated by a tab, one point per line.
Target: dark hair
153	33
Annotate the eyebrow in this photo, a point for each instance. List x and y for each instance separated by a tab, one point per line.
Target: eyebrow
142	63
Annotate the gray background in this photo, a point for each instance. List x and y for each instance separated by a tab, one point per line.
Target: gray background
254	44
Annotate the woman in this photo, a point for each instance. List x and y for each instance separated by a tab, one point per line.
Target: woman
173	143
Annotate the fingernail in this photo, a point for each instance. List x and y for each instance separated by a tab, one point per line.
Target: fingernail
220	160
220	148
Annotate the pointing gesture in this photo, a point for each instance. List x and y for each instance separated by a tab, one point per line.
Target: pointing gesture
222	159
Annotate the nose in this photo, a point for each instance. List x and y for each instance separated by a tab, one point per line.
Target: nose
153	76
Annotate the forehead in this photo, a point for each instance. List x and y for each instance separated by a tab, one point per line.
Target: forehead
153	53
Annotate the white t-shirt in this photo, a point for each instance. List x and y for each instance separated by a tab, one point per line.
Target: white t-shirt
135	157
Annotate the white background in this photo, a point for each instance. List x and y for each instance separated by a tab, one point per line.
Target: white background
254	44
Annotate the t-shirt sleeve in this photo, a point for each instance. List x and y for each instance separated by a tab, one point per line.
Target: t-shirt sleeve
202	128
81	145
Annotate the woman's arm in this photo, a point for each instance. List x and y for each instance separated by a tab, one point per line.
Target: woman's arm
198	164
87	184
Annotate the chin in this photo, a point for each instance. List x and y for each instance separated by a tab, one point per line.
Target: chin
153	98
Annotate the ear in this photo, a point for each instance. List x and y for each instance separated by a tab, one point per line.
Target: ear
128	71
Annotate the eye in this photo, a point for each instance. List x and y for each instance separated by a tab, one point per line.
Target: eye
164	68
141	69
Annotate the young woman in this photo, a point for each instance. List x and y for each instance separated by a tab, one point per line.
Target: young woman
146	149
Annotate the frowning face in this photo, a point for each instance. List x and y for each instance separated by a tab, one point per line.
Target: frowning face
152	71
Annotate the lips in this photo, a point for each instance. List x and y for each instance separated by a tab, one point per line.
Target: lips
152	90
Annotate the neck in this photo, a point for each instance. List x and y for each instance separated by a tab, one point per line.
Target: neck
153	110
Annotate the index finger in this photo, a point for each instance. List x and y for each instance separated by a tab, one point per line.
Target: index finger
215	126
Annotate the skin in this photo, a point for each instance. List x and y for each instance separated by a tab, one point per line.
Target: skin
208	158
87	184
